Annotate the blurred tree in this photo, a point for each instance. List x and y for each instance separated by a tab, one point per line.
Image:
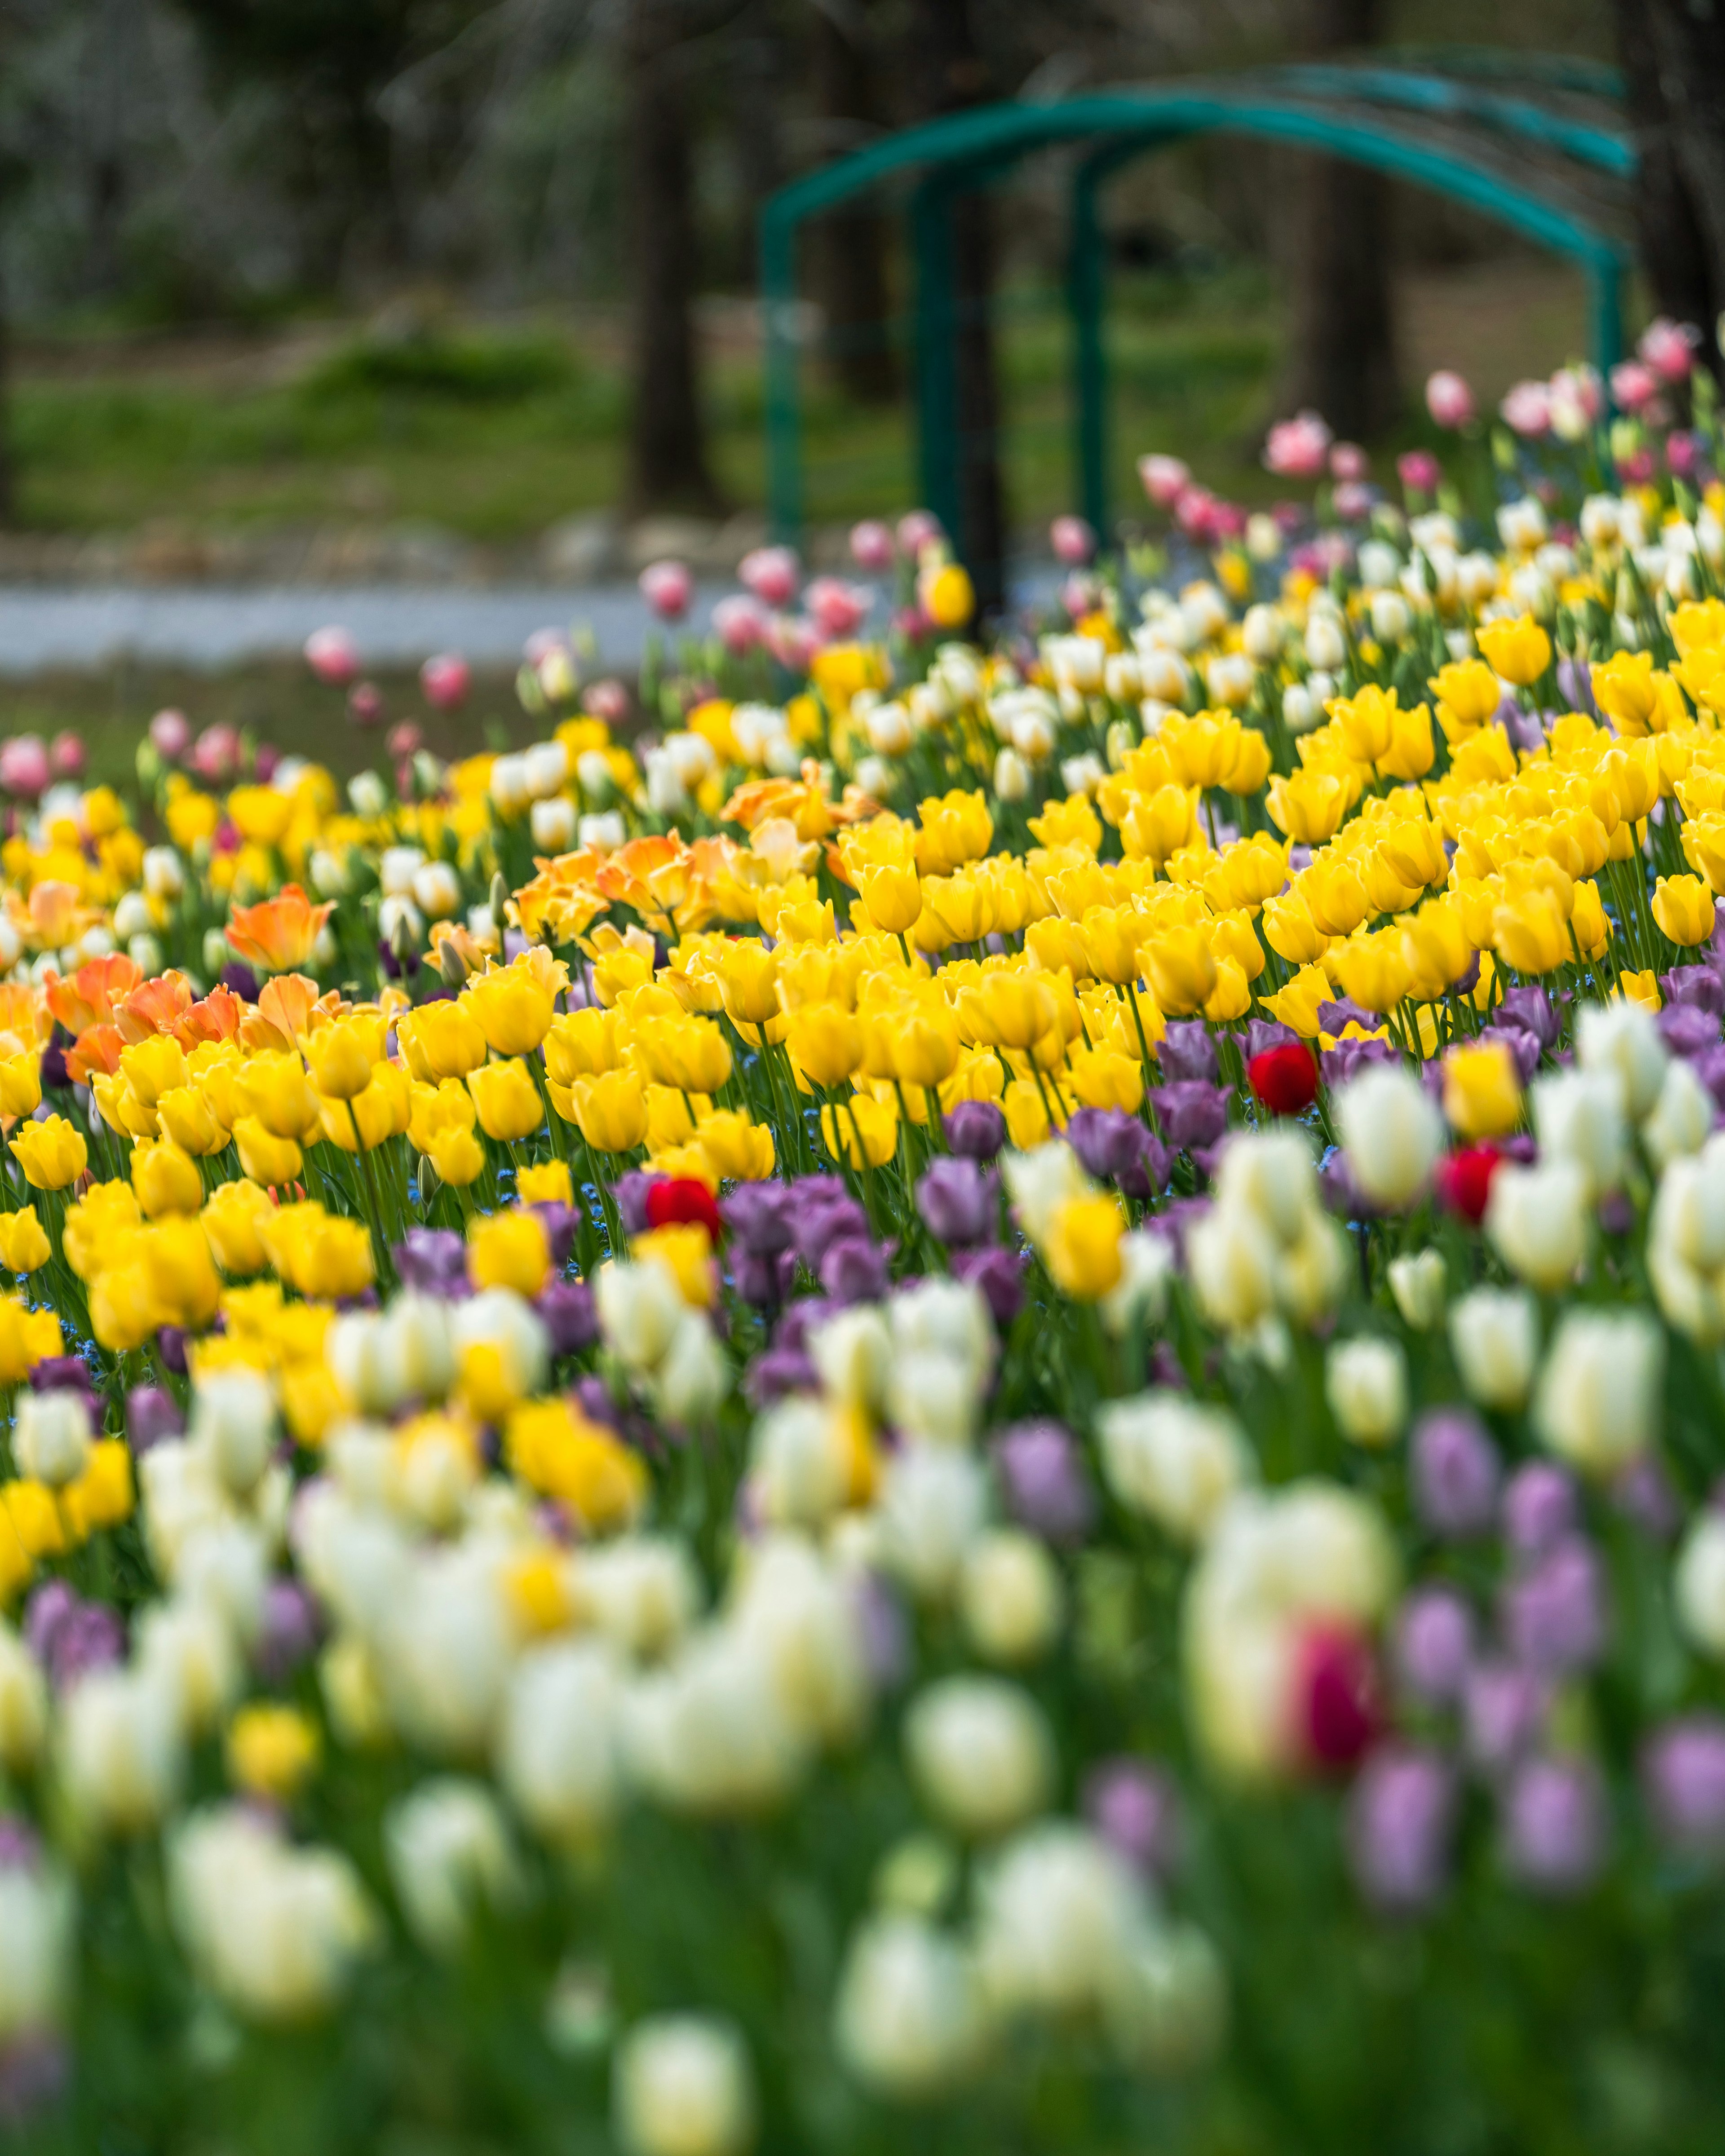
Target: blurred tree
668	465
335	58
944	64
1673	58
1341	360
849	247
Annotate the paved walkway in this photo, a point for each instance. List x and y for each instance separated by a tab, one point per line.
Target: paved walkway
44	627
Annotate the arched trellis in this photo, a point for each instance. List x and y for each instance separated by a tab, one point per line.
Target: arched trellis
1514	139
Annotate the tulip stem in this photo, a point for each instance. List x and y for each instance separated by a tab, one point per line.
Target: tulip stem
380	1250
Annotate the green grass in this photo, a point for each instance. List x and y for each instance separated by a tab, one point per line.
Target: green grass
495	436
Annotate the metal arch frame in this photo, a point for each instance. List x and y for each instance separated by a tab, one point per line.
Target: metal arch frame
969	148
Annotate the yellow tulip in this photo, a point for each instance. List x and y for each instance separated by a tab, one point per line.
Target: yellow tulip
20	1085
23	1243
688	1053
1531	933
1181	969
51	1154
166	1178
509	1249
512	1006
738	1149
947	596
610	1112
341	1059
1683	907
686	1254
276	1092
549	1184
862	1131
153	1067
1295	1005
186	1115
1518	651
456	1155
583	1045
230	1220
182	1273
1482	1090
892	895
1468	696
1083	1250
748	980
826	1043
1589	924
265	1157
508	1101
441	1040
1626	690
272	1751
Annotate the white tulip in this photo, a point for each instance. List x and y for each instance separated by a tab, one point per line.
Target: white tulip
1622	1037
1577	1115
641	1592
708	1734
694	1377
1420	1282
450	1855
23	1705
682	2086
234	1426
931	1504
50	1436
1698	1584
1538	1219
1392	1134
800	1615
801	1461
1598	1403
1009	1596
908	2020
980	1754
38	1941
1494	1336
1176	1460
1058	1916
121	1757
852	1355
1366	1384
437	891
1683	1117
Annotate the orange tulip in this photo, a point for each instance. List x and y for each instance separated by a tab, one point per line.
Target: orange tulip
278	933
88	996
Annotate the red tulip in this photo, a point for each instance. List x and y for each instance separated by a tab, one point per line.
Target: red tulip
1337	1696
1285	1079
679	1201
1464	1181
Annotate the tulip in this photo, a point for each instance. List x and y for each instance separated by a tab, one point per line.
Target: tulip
509	1106
50	1152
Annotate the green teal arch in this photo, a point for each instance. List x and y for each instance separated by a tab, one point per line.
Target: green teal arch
1354	113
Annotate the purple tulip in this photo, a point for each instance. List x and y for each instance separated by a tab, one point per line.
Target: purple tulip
559	1222
1530	1008
1401	1816
1341	1066
1192	1113
1688	1030
1553	1617
630	1191
1691	987
778	1371
1539	1508
1503	1710
1116	1149
70	1637
825	1214
1264	1034
19	1849
977	1129
287	1636
1434	1645
150	1416
854	1269
1710	1069
1335	1013
759	1216
1133	1807
959	1202
1553	1823
566	1309
432	1260
1043	1483
1455	1473
1643	1493
1683	1777
1186	1052
1001	1275
64	1373
1523	1048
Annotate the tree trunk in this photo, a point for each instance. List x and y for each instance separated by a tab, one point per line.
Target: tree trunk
850	244
1687	45
668	461
947	65
1342	358
1672	248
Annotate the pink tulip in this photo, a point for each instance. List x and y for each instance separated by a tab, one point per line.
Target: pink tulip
1073	540
1682	453
68	756
266	763
542	641
793	640
911	622
1078	595
332	655
1637	468
171	732
1228	519
1449	399
1669	348
1163	479
1194	507
1527	408
215	754
364	703
1296	447
23	766
667	586
405	740
446	680
740	623
1349	461
1352	501
871	545
771	573
839	609
1633	384
1418	471
917	528
607	700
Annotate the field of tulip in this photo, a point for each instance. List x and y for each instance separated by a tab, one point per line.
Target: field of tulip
956	1394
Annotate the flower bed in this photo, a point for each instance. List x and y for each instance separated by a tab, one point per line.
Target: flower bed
980	1386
